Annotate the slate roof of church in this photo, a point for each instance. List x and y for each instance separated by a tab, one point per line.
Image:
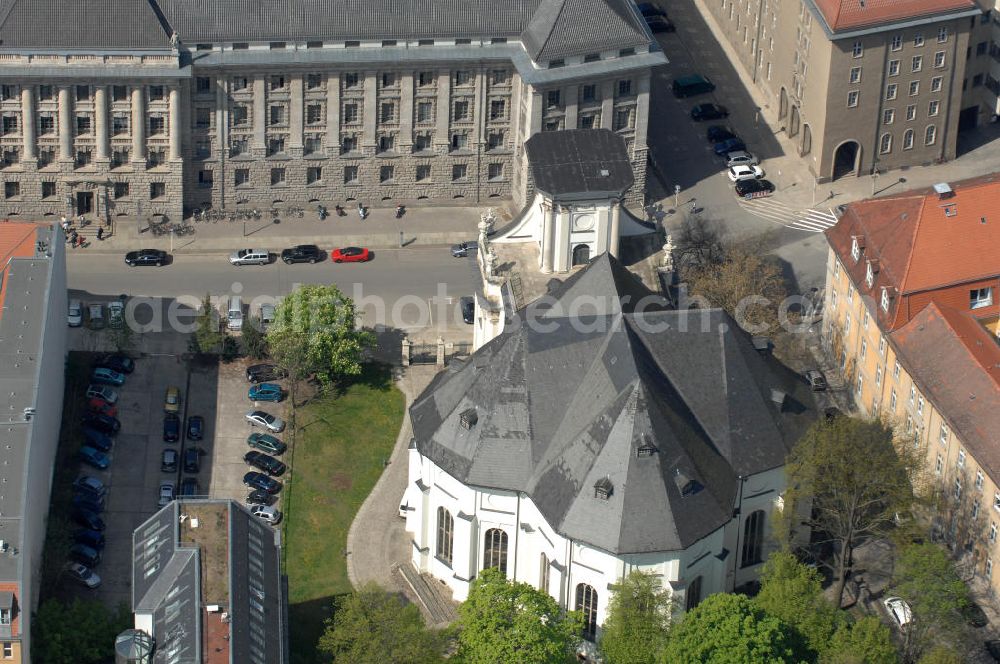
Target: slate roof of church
579	163
557	412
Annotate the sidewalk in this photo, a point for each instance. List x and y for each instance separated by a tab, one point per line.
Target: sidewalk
423	226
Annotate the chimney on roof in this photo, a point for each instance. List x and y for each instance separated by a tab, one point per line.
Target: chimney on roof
468	418
943	190
778	397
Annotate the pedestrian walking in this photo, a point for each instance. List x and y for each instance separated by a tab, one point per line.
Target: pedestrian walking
100	233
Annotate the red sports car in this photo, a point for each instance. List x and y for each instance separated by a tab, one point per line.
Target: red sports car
350	255
101	406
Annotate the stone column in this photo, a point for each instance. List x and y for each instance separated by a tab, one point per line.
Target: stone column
65	124
615	228
549	213
443	110
406	113
28	121
642	113
295	109
259	115
369	114
221	118
536	109
175	123
607	104
560	245
479	110
101	123
138	125
572	95
333	114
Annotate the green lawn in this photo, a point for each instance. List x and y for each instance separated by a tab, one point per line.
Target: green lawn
339	447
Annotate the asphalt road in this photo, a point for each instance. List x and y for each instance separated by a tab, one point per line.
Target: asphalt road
413	289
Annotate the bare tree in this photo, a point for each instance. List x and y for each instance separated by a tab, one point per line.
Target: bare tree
698	243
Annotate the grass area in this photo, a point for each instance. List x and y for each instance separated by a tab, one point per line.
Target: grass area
340	444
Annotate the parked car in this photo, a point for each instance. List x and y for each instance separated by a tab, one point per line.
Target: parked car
116	314
168	461
262	461
85	555
463	249
266	443
196	427
172	400
102	392
88	519
192	459
91	538
899	610
689	86
259	497
74	315
303	253
259	418
189	487
717	133
817	380
90	484
82	575
256	480
105	376
974	615
649	9
250	257
468	307
741	158
266	316
88	502
95	312
171	428
267	513
748	187
94	457
350	255
168	491
96	439
660	24
103	423
258	373
146	257
115	362
722	148
738	173
101	407
266	392
709	112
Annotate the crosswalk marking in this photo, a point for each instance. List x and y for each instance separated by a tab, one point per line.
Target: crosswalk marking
803	219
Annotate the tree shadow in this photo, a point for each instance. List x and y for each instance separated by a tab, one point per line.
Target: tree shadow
306	622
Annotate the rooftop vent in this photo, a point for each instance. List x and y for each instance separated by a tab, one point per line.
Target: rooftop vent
686	484
950	209
468	418
778	397
943	190
605	173
761	344
603	488
646	447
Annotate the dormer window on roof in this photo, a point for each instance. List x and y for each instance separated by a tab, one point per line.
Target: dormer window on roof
869	275
603	488
855	248
686	484
646	447
885	299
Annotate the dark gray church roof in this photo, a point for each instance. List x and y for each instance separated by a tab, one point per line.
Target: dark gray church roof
668	408
561	28
579	163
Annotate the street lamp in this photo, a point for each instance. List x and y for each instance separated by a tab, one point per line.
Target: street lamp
874	177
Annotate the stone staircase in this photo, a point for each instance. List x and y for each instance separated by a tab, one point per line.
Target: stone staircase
430	595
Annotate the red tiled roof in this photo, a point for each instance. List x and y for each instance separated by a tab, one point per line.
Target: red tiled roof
852	14
956	363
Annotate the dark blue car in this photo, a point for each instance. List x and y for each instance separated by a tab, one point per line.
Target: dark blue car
196	427
94	458
729	145
103	423
171	428
256	480
95	438
83	501
91	538
88	519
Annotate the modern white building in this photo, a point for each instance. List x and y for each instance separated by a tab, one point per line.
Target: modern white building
598	434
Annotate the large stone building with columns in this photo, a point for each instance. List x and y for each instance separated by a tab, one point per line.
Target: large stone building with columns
151	107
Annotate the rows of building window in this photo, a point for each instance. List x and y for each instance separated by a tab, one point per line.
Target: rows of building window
119	190
387	174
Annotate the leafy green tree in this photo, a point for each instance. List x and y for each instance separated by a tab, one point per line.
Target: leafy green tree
82	632
315	333
372	626
637	622
865	641
504	621
253	339
730	629
927	580
207	335
855	480
941	655
793	592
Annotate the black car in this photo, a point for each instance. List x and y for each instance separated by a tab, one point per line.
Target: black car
264	462
144	257
189	487
259	497
168	461
259	373
91	538
103	423
256	480
88	519
84	554
88	502
648	9
192	460
708	112
303	253
468	306
747	187
974	615
171	428
196	427
719	133
660	24
120	363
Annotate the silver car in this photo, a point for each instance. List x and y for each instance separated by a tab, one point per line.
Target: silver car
82	575
168	491
741	158
259	418
267	513
250	257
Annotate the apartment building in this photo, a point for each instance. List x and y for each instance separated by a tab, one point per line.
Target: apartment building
860	87
911	315
159	107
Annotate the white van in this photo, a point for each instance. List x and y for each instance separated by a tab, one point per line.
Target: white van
234	315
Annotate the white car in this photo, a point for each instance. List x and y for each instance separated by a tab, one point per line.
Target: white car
267	513
75	317
250	257
741	158
116	314
168	491
745	172
82	574
899	610
102	392
259	418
